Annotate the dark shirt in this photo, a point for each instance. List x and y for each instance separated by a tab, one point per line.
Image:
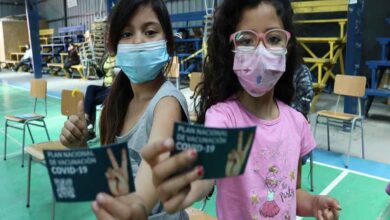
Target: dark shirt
73	57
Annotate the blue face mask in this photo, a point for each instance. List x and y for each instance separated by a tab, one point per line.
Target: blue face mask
142	62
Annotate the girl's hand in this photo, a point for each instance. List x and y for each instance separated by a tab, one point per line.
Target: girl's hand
74	133
326	208
129	207
172	177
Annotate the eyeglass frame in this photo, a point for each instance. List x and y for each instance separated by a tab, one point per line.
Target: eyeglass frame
260	36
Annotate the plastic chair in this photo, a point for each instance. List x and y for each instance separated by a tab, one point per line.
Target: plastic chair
38	90
354	86
69	102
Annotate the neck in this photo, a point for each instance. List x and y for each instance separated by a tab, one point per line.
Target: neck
263	107
147	90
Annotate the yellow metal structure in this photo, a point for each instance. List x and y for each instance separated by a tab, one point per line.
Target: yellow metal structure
323	65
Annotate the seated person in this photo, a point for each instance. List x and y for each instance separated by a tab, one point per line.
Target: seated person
26	59
95	95
303	94
73	59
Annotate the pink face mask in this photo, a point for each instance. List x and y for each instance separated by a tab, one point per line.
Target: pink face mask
258	71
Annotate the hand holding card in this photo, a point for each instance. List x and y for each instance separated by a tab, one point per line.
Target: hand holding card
80	174
221	152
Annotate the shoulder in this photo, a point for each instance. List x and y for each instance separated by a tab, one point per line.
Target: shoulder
168	99
222	114
291	114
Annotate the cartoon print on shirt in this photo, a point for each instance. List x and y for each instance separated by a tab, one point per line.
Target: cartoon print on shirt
270	208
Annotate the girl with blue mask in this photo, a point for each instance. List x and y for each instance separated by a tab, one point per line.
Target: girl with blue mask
141	107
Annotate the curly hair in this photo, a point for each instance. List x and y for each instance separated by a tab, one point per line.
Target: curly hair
219	80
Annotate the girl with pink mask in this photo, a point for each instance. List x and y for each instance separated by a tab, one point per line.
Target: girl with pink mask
248	81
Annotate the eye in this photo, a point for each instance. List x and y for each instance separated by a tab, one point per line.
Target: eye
150	33
274	40
126	35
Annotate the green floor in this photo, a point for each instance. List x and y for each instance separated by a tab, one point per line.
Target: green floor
360	197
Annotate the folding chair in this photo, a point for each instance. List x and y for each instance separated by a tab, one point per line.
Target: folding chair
69	101
38	90
345	85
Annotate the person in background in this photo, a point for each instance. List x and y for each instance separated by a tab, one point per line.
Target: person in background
73	59
26	59
95	95
303	95
303	90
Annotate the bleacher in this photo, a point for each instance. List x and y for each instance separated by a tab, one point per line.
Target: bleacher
322	65
376	76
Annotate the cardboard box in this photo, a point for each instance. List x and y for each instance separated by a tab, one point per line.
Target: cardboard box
196	78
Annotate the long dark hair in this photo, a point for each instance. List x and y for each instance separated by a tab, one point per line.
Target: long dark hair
219	81
115	105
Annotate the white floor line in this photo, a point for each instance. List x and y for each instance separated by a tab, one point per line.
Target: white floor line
334	183
25	89
353	171
11	155
10	137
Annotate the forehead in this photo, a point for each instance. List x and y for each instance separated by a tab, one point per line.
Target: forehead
144	14
260	18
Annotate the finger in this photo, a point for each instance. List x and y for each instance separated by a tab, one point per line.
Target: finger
100	213
124	164
173	165
111	156
112	183
327	214
70	138
151	152
64	140
240	137
79	123
332	203
118	175
335	214
178	184
113	206
247	146
174	204
320	217
80	110
74	129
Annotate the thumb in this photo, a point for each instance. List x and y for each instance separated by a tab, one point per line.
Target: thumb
80	110
332	203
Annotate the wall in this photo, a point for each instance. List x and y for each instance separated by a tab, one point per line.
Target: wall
7	10
87	10
12	34
84	13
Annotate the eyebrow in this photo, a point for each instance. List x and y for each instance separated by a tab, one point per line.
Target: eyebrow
145	25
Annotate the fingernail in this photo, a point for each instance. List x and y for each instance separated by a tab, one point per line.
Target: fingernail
192	153
100	197
168	143
95	206
199	171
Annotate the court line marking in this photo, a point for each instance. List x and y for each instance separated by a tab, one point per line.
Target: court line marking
353	171
25	89
335	182
11	155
